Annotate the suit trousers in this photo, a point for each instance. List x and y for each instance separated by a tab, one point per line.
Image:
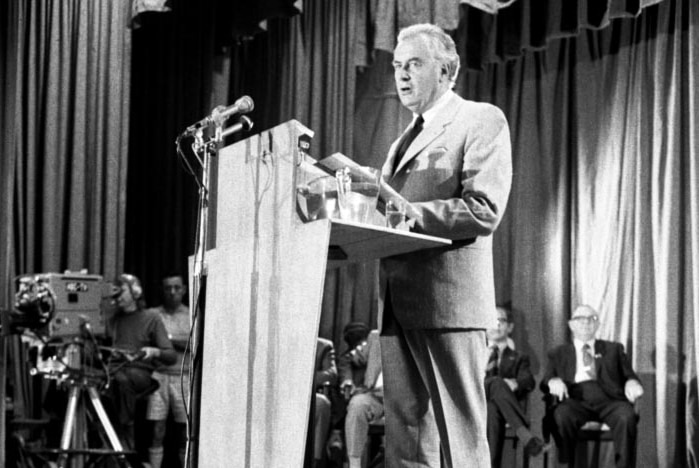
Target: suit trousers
434	397
363	408
503	408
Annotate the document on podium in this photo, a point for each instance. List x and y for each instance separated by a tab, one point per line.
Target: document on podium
339	161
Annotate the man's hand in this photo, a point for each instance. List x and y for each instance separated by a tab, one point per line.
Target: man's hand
512	383
150	352
558	388
633	390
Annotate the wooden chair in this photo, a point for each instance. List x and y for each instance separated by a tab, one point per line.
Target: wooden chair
512	437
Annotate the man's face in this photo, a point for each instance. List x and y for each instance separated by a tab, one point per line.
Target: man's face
125	300
502	330
420	79
173	291
584	323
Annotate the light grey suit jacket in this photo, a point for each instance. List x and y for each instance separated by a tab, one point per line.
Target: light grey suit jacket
457	173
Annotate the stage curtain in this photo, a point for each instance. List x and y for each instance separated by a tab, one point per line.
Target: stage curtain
65	98
185	63
603	208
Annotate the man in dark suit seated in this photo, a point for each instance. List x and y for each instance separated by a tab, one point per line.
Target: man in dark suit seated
592	380
508	381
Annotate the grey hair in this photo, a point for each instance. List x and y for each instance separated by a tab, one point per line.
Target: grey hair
439	42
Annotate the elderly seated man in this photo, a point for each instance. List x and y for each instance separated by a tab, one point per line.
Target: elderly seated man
592	379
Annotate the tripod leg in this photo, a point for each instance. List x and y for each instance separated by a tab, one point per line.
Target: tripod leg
107	425
68	425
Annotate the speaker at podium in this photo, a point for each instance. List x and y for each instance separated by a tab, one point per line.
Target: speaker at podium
263	297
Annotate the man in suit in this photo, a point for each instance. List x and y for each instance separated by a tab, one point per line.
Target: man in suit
592	380
366	397
453	164
508	381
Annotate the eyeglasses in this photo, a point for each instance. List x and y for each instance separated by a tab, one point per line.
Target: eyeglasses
583	318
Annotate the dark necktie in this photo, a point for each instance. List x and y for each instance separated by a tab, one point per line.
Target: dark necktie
407	139
491	369
588	361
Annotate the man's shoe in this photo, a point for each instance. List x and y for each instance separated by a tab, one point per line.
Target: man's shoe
534	447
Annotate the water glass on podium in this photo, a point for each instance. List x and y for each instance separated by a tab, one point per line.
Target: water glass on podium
395	214
358	193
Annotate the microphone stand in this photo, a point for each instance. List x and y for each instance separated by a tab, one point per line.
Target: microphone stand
205	152
209	150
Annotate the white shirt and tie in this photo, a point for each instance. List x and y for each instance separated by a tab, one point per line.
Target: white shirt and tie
584	366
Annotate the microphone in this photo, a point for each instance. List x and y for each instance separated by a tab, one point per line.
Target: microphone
221	113
244	124
242	106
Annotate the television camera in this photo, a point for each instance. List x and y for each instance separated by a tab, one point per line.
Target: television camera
60	304
66	312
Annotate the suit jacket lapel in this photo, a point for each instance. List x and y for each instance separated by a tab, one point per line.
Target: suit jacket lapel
428	134
570	363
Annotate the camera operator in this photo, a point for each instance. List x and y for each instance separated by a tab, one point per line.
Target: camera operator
140	344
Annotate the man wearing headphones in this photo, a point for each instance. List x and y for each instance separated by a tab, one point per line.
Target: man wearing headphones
140	344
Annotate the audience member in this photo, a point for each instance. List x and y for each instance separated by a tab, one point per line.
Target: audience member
324	379
454	166
508	381
351	364
592	379
351	370
140	341
173	380
366	398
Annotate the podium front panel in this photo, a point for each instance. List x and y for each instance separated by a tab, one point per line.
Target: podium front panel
264	293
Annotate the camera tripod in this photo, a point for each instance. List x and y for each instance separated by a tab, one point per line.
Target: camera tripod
81	387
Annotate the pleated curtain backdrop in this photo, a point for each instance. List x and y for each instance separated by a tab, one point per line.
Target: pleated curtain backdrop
66	79
64	113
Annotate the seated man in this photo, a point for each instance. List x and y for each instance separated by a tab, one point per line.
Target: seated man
351	367
592	380
141	344
173	391
352	363
366	398
325	377
508	381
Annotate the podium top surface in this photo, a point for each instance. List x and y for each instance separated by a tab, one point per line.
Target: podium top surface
353	242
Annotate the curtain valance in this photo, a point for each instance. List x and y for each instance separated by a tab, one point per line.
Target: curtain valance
484	37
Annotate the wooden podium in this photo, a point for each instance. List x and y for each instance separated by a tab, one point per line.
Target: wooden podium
263	302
